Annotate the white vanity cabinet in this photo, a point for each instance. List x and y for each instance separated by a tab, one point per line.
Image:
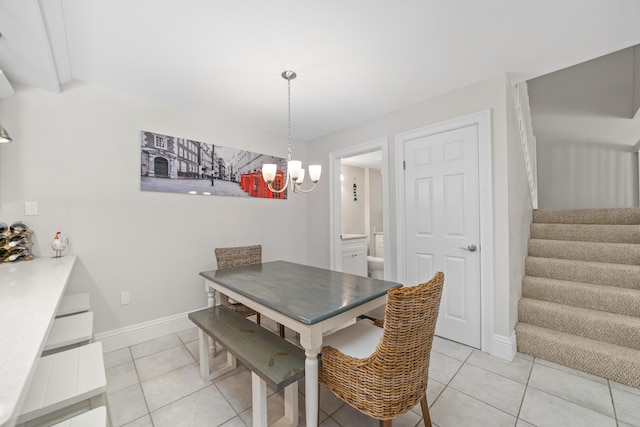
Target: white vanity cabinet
354	254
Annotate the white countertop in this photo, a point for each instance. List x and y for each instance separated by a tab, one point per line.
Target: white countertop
30	292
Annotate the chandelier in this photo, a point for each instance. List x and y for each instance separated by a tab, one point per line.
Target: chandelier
295	171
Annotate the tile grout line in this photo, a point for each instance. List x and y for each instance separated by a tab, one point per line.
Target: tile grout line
144	397
526	387
613	404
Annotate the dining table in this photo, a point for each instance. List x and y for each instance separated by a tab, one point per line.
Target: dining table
311	301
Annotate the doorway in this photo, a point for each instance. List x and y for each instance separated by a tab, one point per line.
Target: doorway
161	167
373	155
445	221
442	230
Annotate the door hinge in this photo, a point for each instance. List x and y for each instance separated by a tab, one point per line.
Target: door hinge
404	165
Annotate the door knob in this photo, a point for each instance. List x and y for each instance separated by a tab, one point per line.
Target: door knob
470	248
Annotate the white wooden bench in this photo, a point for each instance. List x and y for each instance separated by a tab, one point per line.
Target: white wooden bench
68	332
65	384
73	304
271	359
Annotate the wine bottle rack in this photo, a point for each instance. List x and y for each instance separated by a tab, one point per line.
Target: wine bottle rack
15	242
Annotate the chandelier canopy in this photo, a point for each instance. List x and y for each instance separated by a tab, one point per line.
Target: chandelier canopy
295	171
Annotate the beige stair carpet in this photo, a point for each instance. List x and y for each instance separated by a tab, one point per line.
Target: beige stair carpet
581	292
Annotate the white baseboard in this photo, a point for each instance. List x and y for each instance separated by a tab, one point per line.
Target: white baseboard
135	334
504	347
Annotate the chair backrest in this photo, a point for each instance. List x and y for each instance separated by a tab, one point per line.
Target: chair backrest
404	349
238	256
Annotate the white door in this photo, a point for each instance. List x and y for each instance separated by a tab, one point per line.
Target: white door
442	225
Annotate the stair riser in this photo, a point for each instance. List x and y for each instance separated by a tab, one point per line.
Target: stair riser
594	297
587	232
614	329
619	275
586	357
588	216
617	253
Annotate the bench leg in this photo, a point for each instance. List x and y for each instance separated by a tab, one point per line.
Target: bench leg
290	418
101	400
259	404
211	300
259	401
203	350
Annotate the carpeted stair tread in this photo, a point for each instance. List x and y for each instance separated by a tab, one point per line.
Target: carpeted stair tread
597	273
598	358
593	324
620	253
588	216
596	297
606	233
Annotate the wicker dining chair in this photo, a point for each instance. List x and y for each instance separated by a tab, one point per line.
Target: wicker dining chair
383	372
236	257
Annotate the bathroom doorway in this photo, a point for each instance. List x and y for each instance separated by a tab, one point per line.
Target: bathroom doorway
359	204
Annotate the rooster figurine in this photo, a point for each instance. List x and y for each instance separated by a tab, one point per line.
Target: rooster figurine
59	244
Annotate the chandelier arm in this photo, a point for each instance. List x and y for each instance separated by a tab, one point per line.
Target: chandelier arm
277	191
298	188
282	190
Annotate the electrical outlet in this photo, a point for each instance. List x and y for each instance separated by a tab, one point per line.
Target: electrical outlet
125	298
31	208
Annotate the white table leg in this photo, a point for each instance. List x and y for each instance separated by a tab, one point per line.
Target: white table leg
311	387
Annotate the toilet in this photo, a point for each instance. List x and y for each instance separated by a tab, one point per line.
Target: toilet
375	262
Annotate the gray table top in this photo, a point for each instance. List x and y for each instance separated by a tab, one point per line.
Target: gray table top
303	293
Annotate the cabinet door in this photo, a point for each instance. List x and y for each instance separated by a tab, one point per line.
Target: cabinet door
360	263
347	263
354	256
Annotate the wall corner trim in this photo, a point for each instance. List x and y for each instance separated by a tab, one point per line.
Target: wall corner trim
504	347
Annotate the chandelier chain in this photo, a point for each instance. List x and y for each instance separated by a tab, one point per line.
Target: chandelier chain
289	113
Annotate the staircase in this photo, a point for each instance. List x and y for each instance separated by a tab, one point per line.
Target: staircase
580	303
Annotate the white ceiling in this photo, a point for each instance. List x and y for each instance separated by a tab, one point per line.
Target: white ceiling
356	59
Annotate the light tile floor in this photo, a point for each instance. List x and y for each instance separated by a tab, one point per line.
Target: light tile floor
157	383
